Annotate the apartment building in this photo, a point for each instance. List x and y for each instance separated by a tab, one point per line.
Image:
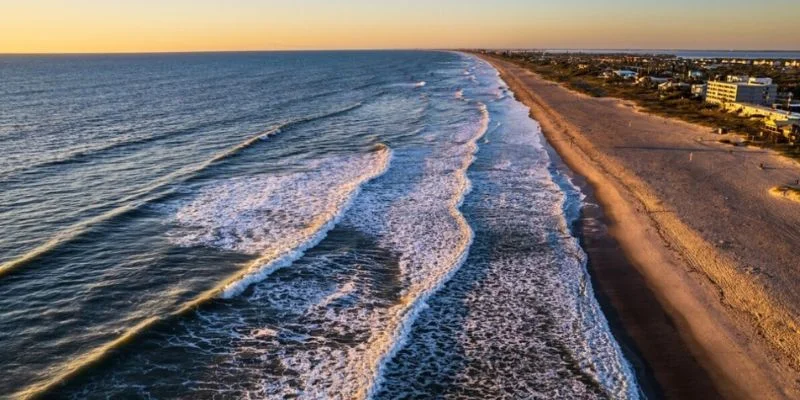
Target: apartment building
754	91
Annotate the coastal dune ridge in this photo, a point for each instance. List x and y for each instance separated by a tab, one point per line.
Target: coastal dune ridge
738	328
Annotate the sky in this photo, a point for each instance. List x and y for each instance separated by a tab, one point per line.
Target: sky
89	26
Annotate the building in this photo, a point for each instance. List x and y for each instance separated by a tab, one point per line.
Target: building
768	63
626	74
783	100
737	78
699	90
781	122
695	75
737	61
651	80
790	129
757	111
760	81
754	90
793	107
674	86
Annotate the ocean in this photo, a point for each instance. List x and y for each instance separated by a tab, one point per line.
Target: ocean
288	225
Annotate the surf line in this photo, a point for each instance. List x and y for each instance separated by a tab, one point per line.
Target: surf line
409	308
135	201
235	284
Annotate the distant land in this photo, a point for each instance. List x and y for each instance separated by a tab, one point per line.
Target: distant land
751	54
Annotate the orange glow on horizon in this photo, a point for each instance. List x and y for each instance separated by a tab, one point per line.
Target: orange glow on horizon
87	26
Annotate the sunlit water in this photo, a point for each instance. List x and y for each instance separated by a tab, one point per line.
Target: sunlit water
270	225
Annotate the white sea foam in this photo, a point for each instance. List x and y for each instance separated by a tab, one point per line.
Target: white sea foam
150	193
277	217
431	237
497	315
334	324
599	354
413	213
350	333
421	225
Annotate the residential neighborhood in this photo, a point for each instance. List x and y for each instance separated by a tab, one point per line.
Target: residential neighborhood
757	94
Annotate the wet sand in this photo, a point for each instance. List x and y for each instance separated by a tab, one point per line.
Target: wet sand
664	366
703	289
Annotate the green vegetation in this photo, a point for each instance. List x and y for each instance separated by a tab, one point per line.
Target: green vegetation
673	104
583	74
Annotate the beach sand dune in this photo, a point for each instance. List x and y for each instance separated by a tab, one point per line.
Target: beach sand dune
697	220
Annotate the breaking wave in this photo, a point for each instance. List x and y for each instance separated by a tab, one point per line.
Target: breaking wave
277	217
150	193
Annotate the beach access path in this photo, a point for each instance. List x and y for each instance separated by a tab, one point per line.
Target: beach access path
696	219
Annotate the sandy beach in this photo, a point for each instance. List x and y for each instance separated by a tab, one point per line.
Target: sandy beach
699	228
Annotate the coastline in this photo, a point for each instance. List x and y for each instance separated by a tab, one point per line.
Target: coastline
663	364
698	318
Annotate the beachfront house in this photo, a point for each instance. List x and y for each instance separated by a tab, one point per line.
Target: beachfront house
777	123
681	86
699	90
789	129
695	75
737	78
626	74
763	112
652	79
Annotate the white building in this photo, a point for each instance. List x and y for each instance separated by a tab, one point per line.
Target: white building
626	74
699	90
652	79
757	111
760	81
695	74
740	90
736	78
673	86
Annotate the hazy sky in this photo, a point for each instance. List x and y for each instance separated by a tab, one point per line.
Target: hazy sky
186	25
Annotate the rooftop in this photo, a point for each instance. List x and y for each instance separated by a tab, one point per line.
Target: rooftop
788	114
742	83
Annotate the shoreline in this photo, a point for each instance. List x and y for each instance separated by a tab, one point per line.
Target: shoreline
705	330
662	363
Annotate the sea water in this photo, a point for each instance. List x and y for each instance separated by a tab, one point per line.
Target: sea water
271	225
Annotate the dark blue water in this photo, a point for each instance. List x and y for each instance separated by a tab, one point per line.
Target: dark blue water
270	225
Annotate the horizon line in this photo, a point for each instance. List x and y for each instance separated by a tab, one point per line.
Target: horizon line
566	49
